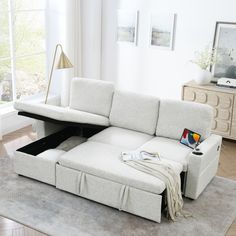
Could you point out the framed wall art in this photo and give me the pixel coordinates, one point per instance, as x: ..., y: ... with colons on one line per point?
x: 162, y: 30
x: 224, y: 45
x: 127, y: 26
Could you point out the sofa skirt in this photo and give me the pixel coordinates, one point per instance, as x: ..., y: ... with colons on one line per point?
x: 110, y: 193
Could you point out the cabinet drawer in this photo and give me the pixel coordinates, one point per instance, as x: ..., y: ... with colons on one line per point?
x: 221, y: 102
x: 234, y: 111
x: 221, y: 127
x: 233, y: 130
x: 215, y: 99
x: 233, y: 127
x: 189, y: 94
x: 223, y: 114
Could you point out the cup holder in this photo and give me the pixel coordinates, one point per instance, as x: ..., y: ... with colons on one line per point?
x: 197, y: 153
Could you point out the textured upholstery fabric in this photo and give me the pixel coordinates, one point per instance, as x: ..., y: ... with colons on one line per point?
x: 104, y: 160
x: 127, y: 139
x: 85, y: 117
x: 134, y: 111
x: 61, y: 113
x: 90, y: 95
x: 201, y: 169
x: 51, y: 111
x: 134, y: 119
x: 70, y: 143
x: 174, y: 116
x: 51, y: 154
x: 169, y: 149
x: 36, y: 167
x: 108, y: 192
x: 44, y: 129
x: 138, y: 202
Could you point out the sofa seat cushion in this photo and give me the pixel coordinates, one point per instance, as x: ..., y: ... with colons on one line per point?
x: 61, y: 113
x: 127, y: 139
x: 51, y: 154
x: 51, y: 111
x: 91, y: 95
x: 169, y: 149
x: 104, y: 160
x: 134, y: 111
x: 175, y: 116
x: 85, y: 117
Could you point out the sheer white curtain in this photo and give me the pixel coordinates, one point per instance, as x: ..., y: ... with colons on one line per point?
x: 64, y: 27
x: 91, y: 15
x: 77, y: 25
x: 73, y: 46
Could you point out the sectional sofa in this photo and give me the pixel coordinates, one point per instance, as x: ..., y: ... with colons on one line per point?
x: 107, y: 122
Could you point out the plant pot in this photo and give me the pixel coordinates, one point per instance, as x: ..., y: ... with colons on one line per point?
x: 202, y: 77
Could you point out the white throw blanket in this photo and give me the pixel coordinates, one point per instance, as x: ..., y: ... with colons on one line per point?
x: 139, y: 155
x: 152, y: 164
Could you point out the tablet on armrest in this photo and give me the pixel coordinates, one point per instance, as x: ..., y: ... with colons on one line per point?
x: 190, y: 138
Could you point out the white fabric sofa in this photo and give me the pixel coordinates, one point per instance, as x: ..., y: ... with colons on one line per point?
x: 127, y: 121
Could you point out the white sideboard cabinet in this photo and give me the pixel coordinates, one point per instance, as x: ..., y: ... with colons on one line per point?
x: 223, y: 100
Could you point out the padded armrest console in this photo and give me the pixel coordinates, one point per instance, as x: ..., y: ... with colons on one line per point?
x: 202, y: 168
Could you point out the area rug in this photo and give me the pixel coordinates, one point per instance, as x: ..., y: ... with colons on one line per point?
x: 55, y: 212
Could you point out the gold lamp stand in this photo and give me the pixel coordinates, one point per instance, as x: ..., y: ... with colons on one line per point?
x: 63, y: 63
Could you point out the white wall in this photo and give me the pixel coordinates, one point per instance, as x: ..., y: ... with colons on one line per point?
x: 154, y: 71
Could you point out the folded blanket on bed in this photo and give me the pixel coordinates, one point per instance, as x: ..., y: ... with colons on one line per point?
x: 162, y: 170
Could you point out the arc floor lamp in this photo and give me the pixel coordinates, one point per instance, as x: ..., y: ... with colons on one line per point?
x: 63, y: 63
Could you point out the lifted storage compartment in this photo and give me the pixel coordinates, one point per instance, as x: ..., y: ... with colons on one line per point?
x: 38, y: 159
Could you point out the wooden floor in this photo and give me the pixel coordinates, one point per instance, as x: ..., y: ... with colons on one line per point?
x: 10, y: 142
x: 11, y: 228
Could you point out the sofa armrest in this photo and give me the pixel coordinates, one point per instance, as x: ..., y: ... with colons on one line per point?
x: 202, y: 168
x: 53, y: 100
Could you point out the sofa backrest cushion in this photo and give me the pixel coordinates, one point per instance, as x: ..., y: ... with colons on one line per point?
x: 134, y: 111
x: 176, y: 115
x: 91, y: 95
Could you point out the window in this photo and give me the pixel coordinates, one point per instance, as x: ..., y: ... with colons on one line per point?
x: 22, y: 49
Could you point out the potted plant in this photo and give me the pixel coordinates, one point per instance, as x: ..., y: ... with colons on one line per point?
x: 203, y: 61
